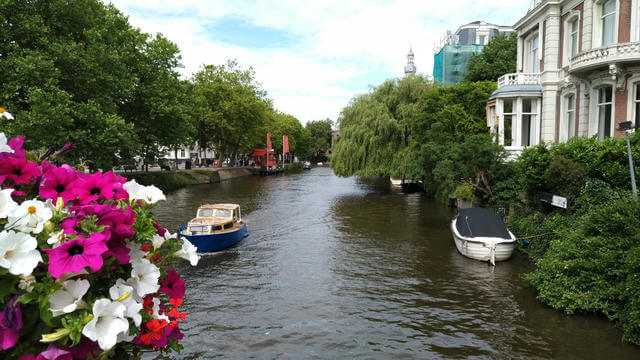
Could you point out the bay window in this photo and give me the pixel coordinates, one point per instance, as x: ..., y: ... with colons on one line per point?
x: 529, y: 112
x: 509, y: 114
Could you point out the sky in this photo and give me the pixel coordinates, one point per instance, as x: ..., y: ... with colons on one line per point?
x: 312, y: 57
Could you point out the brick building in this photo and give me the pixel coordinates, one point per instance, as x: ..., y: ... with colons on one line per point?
x: 578, y: 73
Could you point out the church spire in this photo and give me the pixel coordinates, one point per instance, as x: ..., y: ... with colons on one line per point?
x: 410, y: 68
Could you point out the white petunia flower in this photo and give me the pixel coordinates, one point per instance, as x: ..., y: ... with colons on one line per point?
x: 120, y: 290
x: 7, y: 205
x: 150, y: 194
x: 135, y: 251
x: 144, y: 277
x: 3, y: 144
x: 157, y: 241
x: 18, y: 252
x: 5, y: 114
x: 30, y: 216
x: 69, y: 299
x: 188, y: 252
x: 55, y: 239
x: 108, y: 322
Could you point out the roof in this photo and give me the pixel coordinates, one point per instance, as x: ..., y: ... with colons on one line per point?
x: 219, y: 206
x: 515, y: 90
x: 480, y: 222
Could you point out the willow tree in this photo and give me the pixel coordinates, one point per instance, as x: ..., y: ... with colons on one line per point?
x: 375, y: 129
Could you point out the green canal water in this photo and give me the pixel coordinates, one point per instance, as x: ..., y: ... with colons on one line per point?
x: 348, y: 268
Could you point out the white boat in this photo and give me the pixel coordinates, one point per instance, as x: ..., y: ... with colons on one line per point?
x: 482, y: 235
x: 396, y: 181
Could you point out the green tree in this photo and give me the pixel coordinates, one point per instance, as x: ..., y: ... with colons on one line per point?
x: 320, y: 131
x: 234, y: 106
x: 65, y: 70
x: 497, y: 58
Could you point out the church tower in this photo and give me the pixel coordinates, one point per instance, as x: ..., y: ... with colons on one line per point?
x: 410, y: 68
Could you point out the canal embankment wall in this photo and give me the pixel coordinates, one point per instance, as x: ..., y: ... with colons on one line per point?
x: 173, y: 180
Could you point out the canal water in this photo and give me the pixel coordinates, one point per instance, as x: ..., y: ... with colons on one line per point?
x: 348, y: 268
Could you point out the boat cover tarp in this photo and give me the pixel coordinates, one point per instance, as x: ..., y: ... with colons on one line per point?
x: 479, y: 222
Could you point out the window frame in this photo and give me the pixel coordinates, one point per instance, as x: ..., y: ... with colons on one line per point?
x: 568, y: 119
x: 594, y: 122
x: 598, y: 26
x: 517, y: 121
x: 633, y: 100
x: 573, y: 18
x: 532, y: 65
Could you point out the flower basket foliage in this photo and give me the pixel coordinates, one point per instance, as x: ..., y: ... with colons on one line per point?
x: 83, y: 263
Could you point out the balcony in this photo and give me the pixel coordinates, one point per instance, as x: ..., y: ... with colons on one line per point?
x: 519, y: 79
x: 607, y: 55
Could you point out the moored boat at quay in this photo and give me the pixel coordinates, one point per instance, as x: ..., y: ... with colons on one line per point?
x: 481, y: 234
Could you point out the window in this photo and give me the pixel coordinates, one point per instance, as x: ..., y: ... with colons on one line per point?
x: 482, y: 40
x: 636, y: 105
x: 573, y: 38
x: 605, y: 106
x: 533, y: 59
x: 608, y: 21
x: 509, y: 114
x: 570, y: 116
x: 529, y: 113
x: 635, y: 21
x: 182, y: 153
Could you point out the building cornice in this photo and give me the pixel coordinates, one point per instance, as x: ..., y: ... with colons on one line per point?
x: 535, y: 12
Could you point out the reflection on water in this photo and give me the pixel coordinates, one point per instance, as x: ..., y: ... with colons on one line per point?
x: 348, y: 268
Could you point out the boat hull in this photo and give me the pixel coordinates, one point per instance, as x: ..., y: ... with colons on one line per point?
x: 490, y: 249
x: 218, y: 241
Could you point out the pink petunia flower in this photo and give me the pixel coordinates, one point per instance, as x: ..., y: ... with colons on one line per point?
x: 55, y: 353
x: 84, y: 348
x: 159, y: 229
x: 75, y: 255
x: 119, y: 250
x: 92, y: 187
x: 10, y: 324
x: 16, y: 144
x: 173, y: 285
x: 56, y: 182
x: 18, y: 170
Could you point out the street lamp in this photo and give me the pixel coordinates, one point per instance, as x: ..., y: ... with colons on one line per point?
x: 626, y: 126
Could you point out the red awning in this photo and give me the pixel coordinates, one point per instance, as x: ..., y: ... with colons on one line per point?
x: 260, y: 152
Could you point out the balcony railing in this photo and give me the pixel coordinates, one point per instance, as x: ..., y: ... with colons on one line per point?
x: 519, y: 79
x: 606, y: 55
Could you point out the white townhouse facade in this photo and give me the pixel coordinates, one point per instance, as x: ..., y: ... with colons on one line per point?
x: 578, y: 73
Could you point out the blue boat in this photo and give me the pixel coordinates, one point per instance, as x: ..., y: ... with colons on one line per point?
x: 215, y: 227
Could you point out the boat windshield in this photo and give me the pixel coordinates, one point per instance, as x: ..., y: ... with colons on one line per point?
x: 223, y: 213
x: 205, y: 212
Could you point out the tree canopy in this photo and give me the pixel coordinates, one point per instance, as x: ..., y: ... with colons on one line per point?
x: 77, y: 71
x: 497, y: 58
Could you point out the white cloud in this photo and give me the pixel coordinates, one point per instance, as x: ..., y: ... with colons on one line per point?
x: 339, y: 47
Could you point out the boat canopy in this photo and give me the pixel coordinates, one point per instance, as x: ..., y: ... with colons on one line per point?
x: 480, y: 222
